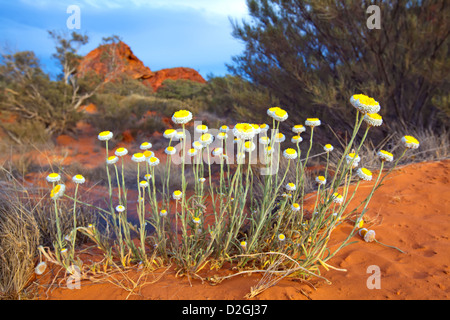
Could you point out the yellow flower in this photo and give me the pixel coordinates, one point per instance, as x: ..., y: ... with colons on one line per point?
x: 244, y: 131
x: 337, y: 198
x: 169, y: 133
x: 112, y: 160
x: 105, y: 135
x: 145, y: 146
x: 385, y: 156
x: 222, y: 135
x: 224, y: 129
x: 78, y: 179
x: 299, y: 128
x: 410, y: 142
x: 249, y: 146
x: 290, y: 154
x: 281, y: 237
x: 201, y: 128
x: 290, y: 186
x: 295, y: 207
x: 170, y: 150
x: 53, y: 177
x: 163, y: 213
x: 148, y: 154
x: 58, y: 191
x: 153, y: 161
x: 206, y: 139
x: 177, y: 194
x: 312, y: 122
x: 196, y: 220
x: 279, y: 137
x: 120, y: 152
x: 328, y: 148
x: 182, y: 117
x: 277, y: 113
x: 192, y: 152
x: 321, y: 180
x: 373, y: 119
x: 364, y: 174
x: 368, y: 235
x: 296, y: 139
x: 364, y: 103
x: 138, y: 157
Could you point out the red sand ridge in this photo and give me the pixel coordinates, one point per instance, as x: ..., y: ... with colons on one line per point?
x: 125, y: 62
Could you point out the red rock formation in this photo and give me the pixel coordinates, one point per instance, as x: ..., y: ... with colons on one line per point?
x: 112, y: 60
x: 158, y: 77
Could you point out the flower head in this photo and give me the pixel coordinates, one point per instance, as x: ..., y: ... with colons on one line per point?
x: 120, y: 152
x: 328, y: 148
x: 170, y: 133
x: 153, y: 161
x: 295, y: 207
x: 299, y: 128
x: 196, y: 220
x: 105, y: 135
x: 138, y: 157
x: 170, y: 150
x: 197, y: 145
x: 192, y: 152
x: 279, y: 137
x: 148, y: 154
x: 78, y: 179
x: 257, y: 128
x: 264, y: 140
x: 249, y: 146
x: 290, y: 186
x: 148, y: 176
x: 281, y: 237
x: 244, y: 131
x: 163, y: 213
x: 268, y: 150
x: 352, y: 157
x: 179, y: 135
x: 277, y: 113
x: 321, y: 180
x: 145, y: 145
x: 224, y: 129
x: 364, y: 103
x: 222, y: 136
x: 296, y: 139
x: 368, y: 235
x: 120, y: 208
x: 112, y: 160
x: 364, y: 174
x: 264, y: 127
x: 410, y: 142
x: 58, y: 191
x: 243, y: 244
x: 177, y: 195
x: 312, y: 122
x: 217, y: 152
x: 290, y: 154
x: 182, y: 117
x: 201, y: 128
x: 143, y: 184
x: 373, y: 119
x: 201, y: 180
x: 337, y: 198
x: 53, y: 177
x: 206, y: 139
x: 385, y: 156
x: 40, y: 268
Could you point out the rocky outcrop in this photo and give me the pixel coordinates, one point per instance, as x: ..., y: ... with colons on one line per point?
x: 110, y: 61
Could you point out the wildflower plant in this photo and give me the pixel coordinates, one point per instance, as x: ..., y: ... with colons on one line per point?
x: 248, y: 206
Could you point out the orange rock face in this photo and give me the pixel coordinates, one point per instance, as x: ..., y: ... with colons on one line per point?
x: 113, y: 60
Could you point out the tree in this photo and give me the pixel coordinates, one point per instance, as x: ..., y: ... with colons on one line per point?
x: 29, y: 96
x: 314, y: 54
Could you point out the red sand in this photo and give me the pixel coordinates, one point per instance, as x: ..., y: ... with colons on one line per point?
x: 410, y: 211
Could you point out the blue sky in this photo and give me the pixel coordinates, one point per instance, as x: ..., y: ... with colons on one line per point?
x: 161, y: 33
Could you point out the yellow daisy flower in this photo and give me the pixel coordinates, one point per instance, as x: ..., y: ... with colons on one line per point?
x: 182, y: 117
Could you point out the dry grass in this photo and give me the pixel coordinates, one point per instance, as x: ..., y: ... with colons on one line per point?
x: 19, y: 239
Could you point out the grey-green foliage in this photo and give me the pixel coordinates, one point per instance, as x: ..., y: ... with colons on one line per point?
x: 314, y: 54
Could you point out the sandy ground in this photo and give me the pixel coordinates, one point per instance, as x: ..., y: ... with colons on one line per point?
x: 411, y: 212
